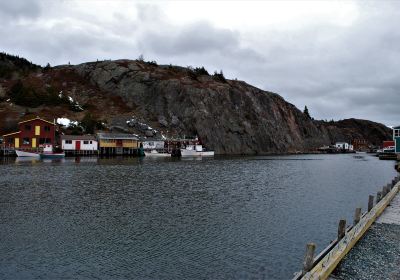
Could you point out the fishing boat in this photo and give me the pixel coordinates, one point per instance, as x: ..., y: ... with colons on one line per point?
x: 155, y: 153
x: 50, y: 154
x: 21, y: 153
x: 196, y: 150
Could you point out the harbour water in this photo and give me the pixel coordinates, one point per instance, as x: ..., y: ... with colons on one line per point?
x: 131, y: 218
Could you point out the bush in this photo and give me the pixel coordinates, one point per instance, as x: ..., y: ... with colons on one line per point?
x: 29, y: 97
x: 90, y: 124
x: 201, y: 71
x: 219, y: 76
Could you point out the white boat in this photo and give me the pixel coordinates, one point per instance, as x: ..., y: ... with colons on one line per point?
x: 195, y: 151
x: 47, y: 153
x: 27, y: 154
x: 154, y: 153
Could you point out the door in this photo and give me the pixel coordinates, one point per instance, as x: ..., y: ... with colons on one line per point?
x: 77, y: 145
x: 33, y: 142
x: 16, y: 142
x: 37, y: 130
x: 119, y: 143
x: 397, y: 143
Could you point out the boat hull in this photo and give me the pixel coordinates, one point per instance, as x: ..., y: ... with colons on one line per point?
x: 150, y: 154
x: 27, y: 154
x: 54, y: 155
x: 194, y: 153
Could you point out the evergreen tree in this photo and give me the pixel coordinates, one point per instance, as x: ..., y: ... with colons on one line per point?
x: 306, y: 112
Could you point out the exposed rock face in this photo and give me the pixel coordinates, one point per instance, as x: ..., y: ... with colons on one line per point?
x: 230, y: 117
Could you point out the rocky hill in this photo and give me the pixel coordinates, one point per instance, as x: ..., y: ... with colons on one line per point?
x: 229, y: 116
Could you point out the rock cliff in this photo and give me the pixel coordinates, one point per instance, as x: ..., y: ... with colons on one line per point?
x: 229, y: 116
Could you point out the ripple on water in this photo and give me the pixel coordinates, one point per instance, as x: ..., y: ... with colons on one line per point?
x: 224, y: 218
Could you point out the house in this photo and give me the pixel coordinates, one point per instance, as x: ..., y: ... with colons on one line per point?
x: 360, y: 144
x: 32, y: 135
x: 396, y: 139
x: 388, y: 146
x: 118, y: 143
x: 79, y: 144
x: 153, y: 144
x: 344, y: 146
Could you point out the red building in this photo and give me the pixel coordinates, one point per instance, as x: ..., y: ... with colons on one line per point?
x: 32, y: 134
x: 388, y: 144
x: 360, y: 145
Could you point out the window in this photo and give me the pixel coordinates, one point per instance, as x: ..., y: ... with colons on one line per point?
x: 28, y: 127
x: 26, y: 141
x: 47, y: 128
x: 68, y: 141
x: 397, y: 133
x: 90, y: 142
x: 85, y: 142
x: 44, y: 141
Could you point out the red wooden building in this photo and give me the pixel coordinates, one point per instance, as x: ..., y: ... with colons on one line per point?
x: 32, y: 135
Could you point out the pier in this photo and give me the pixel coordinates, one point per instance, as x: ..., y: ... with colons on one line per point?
x: 386, y: 211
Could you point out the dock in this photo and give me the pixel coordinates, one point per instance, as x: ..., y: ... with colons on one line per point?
x: 367, y: 249
x: 377, y: 255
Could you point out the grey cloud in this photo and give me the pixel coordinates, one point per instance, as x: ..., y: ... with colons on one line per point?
x: 337, y: 71
x: 16, y: 9
x: 194, y: 38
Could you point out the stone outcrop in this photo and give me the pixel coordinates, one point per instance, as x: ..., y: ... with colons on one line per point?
x: 228, y: 116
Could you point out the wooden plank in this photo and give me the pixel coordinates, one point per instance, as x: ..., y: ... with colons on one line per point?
x: 324, y: 268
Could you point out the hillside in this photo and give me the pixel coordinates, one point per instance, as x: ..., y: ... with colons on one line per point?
x: 229, y: 116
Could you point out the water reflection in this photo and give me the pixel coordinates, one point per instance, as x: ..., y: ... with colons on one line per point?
x: 135, y: 218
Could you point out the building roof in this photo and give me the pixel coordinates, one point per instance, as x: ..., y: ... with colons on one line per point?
x: 396, y: 127
x: 78, y: 137
x: 12, y: 133
x: 120, y: 136
x: 37, y: 118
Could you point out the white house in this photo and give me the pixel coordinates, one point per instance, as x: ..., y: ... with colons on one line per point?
x: 344, y: 146
x: 153, y: 144
x: 77, y: 143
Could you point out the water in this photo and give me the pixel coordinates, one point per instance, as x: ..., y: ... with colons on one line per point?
x: 223, y: 218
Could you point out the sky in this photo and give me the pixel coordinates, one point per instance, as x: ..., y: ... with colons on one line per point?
x: 341, y: 59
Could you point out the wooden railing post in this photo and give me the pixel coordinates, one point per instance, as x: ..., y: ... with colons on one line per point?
x: 370, y: 202
x: 308, y: 258
x: 378, y: 197
x: 383, y: 191
x: 357, y: 216
x: 341, y: 229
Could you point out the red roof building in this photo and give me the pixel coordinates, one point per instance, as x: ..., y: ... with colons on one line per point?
x: 32, y: 134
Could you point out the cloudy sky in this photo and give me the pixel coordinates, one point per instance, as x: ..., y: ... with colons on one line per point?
x: 341, y: 59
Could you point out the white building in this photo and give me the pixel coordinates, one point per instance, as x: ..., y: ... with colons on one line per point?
x: 344, y: 146
x: 153, y: 144
x: 78, y: 143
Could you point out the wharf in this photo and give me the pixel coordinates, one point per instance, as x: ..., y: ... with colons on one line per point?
x: 377, y: 254
x: 369, y: 249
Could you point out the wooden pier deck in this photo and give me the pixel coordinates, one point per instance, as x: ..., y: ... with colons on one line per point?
x: 369, y: 249
x: 377, y: 255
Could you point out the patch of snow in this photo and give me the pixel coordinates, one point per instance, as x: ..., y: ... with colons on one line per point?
x: 8, y: 100
x: 70, y: 99
x: 66, y: 122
